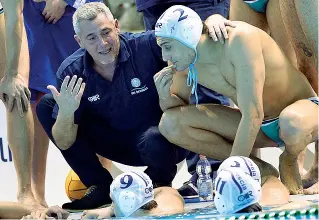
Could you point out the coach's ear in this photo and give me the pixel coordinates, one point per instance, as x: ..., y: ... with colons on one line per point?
x: 78, y: 39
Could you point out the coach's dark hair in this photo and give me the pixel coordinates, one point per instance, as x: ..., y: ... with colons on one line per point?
x: 252, y: 208
x: 150, y: 205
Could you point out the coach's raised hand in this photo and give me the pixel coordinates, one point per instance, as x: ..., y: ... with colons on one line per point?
x: 70, y: 94
x: 64, y: 130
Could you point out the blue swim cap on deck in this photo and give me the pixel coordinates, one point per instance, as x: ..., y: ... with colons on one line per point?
x: 183, y: 24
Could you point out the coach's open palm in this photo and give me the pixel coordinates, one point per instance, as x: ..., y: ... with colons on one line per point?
x: 163, y: 81
x: 70, y: 94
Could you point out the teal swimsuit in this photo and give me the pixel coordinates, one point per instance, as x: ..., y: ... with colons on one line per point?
x: 258, y: 5
x: 270, y: 127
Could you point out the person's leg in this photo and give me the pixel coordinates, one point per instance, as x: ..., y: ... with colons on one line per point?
x: 2, y: 46
x: 40, y: 152
x: 106, y: 163
x: 20, y: 136
x: 81, y: 156
x: 240, y: 11
x: 279, y: 34
x: 209, y: 130
x: 144, y: 146
x: 204, y: 10
x: 160, y: 156
x: 278, y: 31
x: 298, y: 127
x: 310, y: 180
x: 308, y: 16
x: 295, y: 16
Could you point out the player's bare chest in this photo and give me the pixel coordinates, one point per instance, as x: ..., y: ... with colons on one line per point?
x: 211, y: 77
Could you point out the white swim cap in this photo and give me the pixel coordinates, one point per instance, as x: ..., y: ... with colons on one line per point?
x: 244, y: 163
x: 180, y: 23
x: 235, y: 190
x: 130, y: 191
x: 183, y: 24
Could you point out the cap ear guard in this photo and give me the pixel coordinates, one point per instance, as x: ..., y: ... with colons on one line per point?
x: 128, y: 201
x: 130, y: 191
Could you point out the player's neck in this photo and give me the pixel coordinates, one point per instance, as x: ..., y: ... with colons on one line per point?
x: 209, y: 51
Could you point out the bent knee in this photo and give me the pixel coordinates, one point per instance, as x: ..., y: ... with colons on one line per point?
x: 291, y: 127
x: 170, y: 125
x: 44, y: 107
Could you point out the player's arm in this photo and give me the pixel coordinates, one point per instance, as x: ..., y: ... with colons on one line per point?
x: 64, y: 130
x: 249, y: 65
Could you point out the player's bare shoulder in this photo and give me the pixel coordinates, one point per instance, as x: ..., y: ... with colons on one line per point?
x: 242, y: 31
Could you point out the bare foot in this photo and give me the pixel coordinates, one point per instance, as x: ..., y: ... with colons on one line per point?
x: 40, y: 199
x: 43, y: 203
x: 301, y: 161
x: 29, y: 200
x: 311, y: 177
x: 314, y: 189
x: 289, y: 173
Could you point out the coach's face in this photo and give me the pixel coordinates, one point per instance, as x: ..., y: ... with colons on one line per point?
x: 100, y: 37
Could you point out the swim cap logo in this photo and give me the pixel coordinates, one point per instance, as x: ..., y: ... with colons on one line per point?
x: 245, y: 196
x: 237, y: 164
x: 136, y: 82
x: 148, y: 190
x: 158, y: 25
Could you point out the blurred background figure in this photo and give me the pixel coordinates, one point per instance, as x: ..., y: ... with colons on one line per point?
x: 125, y: 12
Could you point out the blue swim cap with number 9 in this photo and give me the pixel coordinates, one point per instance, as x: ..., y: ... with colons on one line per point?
x: 183, y: 24
x: 130, y: 191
